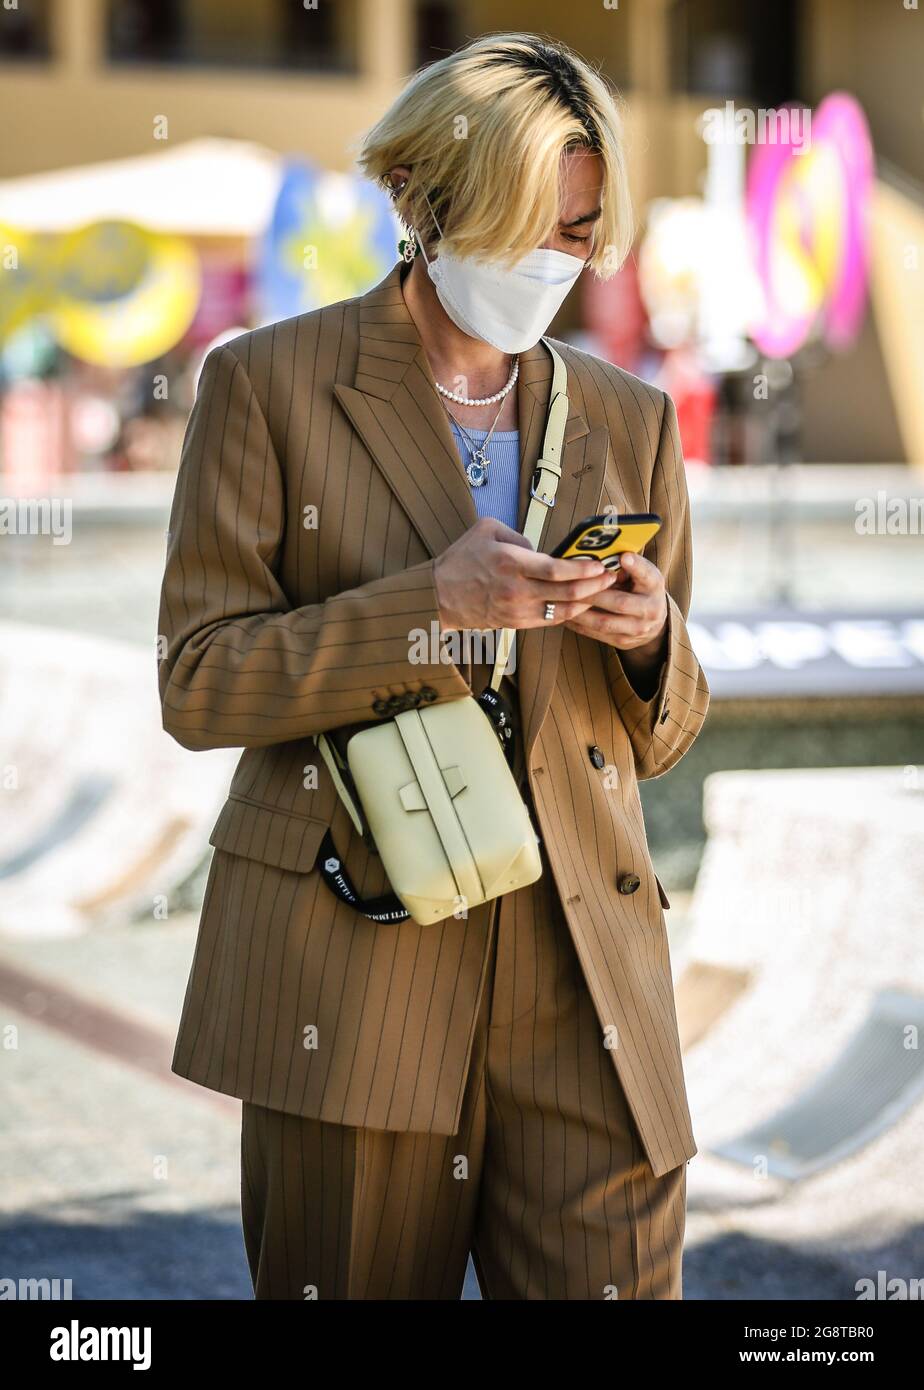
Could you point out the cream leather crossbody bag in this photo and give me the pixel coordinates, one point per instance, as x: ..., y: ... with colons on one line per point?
x: 432, y: 787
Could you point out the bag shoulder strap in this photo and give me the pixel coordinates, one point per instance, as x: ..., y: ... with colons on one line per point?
x: 543, y: 486
x: 337, y: 767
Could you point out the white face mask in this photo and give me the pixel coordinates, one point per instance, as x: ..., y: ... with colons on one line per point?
x: 509, y: 308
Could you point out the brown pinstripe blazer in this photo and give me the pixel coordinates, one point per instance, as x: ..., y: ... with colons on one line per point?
x: 273, y: 628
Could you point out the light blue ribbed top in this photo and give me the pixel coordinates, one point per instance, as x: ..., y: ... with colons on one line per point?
x: 500, y: 495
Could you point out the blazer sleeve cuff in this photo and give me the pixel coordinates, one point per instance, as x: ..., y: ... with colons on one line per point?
x: 662, y: 727
x: 636, y: 712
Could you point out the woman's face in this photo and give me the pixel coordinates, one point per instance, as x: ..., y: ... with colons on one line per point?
x: 579, y: 208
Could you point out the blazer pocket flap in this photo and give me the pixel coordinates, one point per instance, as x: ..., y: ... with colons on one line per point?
x: 268, y: 834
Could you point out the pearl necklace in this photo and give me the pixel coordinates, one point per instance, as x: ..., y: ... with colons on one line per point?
x: 484, y: 400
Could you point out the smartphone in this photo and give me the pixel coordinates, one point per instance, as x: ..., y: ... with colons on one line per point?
x: 606, y: 537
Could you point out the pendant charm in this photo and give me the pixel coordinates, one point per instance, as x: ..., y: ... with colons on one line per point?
x: 476, y: 470
x: 407, y: 247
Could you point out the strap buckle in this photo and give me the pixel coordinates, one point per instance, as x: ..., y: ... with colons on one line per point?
x: 546, y: 500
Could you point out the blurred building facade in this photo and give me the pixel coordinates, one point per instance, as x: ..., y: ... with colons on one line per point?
x: 89, y: 80
x: 84, y: 81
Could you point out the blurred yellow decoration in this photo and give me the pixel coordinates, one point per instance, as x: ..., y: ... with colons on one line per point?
x: 113, y: 293
x: 21, y: 278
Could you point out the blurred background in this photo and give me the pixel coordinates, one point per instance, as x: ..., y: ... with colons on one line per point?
x: 175, y: 172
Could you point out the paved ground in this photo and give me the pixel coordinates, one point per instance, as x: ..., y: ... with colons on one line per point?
x: 116, y: 1174
x: 124, y: 1178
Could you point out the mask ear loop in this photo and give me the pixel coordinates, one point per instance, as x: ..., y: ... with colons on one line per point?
x: 423, y: 252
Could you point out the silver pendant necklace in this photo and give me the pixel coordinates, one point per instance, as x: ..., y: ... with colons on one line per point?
x: 476, y: 470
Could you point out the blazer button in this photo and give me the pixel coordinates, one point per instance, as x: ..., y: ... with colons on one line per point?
x: 628, y: 883
x: 428, y: 694
x: 381, y: 706
x: 413, y: 700
x: 396, y: 704
x: 596, y: 757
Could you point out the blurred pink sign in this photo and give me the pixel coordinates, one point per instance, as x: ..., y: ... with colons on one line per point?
x: 808, y: 211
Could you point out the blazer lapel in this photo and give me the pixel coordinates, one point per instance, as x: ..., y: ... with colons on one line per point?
x: 394, y: 407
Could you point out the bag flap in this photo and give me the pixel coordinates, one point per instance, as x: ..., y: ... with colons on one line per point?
x: 267, y: 833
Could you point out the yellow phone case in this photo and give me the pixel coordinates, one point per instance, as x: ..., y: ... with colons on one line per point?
x: 630, y: 535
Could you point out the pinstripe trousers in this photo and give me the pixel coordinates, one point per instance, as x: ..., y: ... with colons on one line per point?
x: 546, y: 1181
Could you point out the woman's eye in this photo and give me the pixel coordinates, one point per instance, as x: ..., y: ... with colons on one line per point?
x: 568, y: 236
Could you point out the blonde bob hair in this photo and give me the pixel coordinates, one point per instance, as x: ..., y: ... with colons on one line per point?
x: 482, y: 132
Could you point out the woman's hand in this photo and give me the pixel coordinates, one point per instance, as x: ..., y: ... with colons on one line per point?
x: 632, y: 616
x: 491, y: 577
